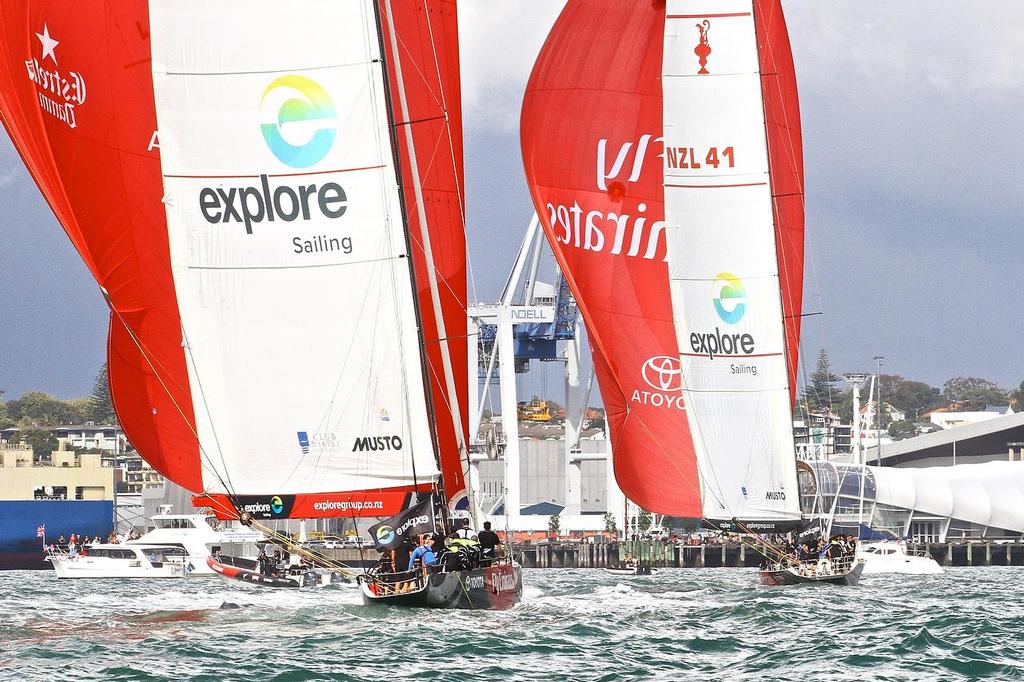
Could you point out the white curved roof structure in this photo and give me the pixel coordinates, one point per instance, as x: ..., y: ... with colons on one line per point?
x: 989, y: 494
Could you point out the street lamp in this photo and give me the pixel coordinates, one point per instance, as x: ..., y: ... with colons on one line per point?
x: 878, y: 412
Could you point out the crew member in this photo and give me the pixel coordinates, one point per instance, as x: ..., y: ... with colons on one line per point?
x: 489, y: 541
x: 425, y: 553
x: 465, y: 532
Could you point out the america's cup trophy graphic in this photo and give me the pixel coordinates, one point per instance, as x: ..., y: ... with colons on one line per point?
x: 703, y: 49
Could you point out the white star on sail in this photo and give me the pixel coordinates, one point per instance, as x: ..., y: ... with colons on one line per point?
x: 48, y: 44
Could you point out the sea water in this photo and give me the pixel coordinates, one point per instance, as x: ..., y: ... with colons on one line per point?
x: 677, y: 624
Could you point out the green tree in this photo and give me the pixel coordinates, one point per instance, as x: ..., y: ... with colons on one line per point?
x: 911, y: 397
x: 973, y: 393
x: 643, y: 521
x: 609, y: 523
x: 101, y: 408
x: 42, y: 409
x: 819, y: 393
x: 5, y: 416
x: 1017, y: 398
x: 555, y: 524
x: 42, y: 441
x: 902, y: 429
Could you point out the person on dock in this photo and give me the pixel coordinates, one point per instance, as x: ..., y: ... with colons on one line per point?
x: 489, y: 542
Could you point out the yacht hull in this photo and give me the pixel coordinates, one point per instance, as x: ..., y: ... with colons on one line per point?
x: 789, y: 576
x: 493, y: 587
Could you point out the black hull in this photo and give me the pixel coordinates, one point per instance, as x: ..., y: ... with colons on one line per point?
x: 494, y: 587
x: 789, y: 577
x: 244, y: 571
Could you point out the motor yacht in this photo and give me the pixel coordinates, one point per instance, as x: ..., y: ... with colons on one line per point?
x: 891, y: 556
x: 197, y: 535
x: 119, y: 561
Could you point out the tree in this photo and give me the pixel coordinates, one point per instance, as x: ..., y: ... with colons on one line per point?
x: 5, y: 416
x: 902, y: 429
x: 643, y: 521
x: 554, y: 524
x: 38, y: 408
x: 42, y: 441
x: 973, y: 393
x: 609, y: 523
x: 101, y: 408
x: 910, y: 397
x: 1016, y: 398
x: 818, y: 394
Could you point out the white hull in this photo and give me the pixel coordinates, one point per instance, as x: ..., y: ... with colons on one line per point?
x: 891, y: 557
x: 194, y: 534
x: 83, y: 567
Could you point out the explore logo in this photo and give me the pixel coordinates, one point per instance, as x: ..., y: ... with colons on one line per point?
x: 385, y: 535
x: 310, y: 116
x: 276, y: 504
x: 730, y: 304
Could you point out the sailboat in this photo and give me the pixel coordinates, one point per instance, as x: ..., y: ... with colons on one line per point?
x: 272, y: 205
x: 675, y: 209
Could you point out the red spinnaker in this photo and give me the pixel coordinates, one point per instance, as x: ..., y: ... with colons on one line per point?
x: 591, y: 129
x: 76, y: 98
x: 785, y: 155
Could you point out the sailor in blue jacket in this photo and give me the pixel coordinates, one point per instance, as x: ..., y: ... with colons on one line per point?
x: 425, y: 552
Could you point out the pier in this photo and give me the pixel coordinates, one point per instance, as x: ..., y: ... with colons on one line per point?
x: 669, y: 555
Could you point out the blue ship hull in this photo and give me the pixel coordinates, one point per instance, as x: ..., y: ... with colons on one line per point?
x: 20, y: 548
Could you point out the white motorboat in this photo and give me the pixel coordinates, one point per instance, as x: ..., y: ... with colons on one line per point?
x: 120, y: 561
x: 891, y: 556
x: 197, y: 535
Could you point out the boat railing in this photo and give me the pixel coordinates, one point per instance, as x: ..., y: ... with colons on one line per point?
x: 385, y: 584
x: 816, y: 567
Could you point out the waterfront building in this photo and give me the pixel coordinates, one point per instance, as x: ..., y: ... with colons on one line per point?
x: 965, y: 482
x: 819, y: 435
x: 947, y: 419
x: 99, y: 437
x: 68, y: 493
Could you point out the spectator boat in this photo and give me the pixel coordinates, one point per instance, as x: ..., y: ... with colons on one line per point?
x: 197, y: 535
x: 120, y: 561
x: 892, y: 556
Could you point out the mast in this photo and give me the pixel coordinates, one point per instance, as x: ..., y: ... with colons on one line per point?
x: 435, y: 296
x: 393, y: 135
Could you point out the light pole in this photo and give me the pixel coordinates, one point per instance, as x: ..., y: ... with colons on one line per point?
x: 878, y: 373
x: 856, y: 381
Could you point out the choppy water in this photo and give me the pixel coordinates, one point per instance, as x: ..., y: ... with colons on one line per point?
x: 574, y: 624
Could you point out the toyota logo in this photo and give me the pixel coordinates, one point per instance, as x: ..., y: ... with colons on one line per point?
x: 663, y: 373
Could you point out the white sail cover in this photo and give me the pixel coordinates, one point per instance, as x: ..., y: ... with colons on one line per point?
x: 723, y: 265
x: 287, y: 246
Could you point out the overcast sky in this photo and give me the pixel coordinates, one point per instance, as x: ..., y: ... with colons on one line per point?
x: 914, y: 194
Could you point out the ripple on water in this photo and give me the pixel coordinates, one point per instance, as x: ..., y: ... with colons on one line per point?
x: 573, y: 624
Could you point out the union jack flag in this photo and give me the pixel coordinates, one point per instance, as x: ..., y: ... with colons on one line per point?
x: 41, y: 531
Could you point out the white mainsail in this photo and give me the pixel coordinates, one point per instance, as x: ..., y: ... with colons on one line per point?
x: 723, y: 263
x: 287, y: 245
